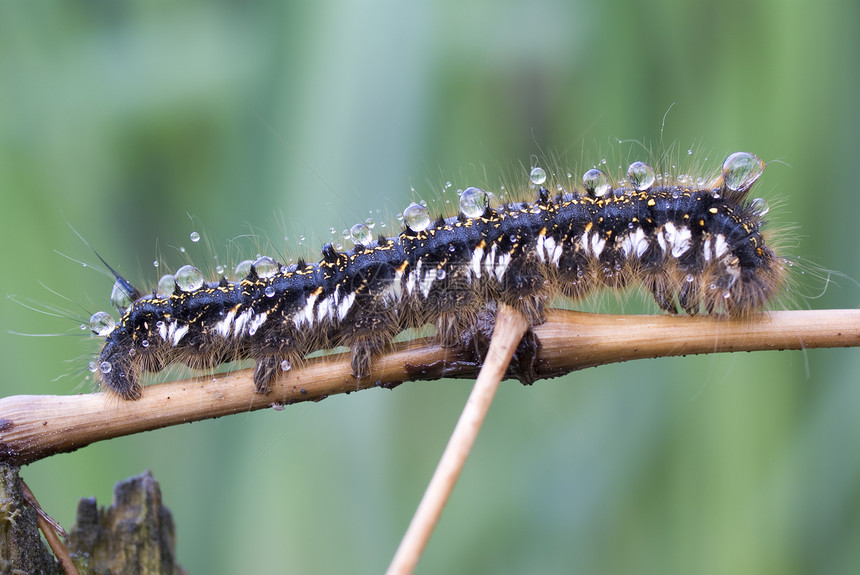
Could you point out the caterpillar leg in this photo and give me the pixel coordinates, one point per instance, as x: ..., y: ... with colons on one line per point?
x: 475, y: 341
x: 264, y: 372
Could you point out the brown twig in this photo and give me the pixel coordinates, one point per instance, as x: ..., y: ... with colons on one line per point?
x: 34, y: 427
x: 510, y: 327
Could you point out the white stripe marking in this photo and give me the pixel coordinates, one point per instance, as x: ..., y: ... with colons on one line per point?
x: 223, y: 326
x: 597, y: 244
x: 477, y: 256
x: 255, y: 323
x: 634, y: 244
x: 179, y: 333
x: 540, y: 247
x: 324, y: 309
x: 721, y: 247
x: 583, y: 241
x: 490, y: 260
x: 306, y: 315
x: 343, y: 307
x: 241, y: 320
x: 502, y: 265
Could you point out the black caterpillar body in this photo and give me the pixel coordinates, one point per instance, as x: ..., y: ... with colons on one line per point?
x: 696, y: 248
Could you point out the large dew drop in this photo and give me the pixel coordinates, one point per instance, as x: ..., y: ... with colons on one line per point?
x: 417, y: 217
x: 596, y: 183
x: 641, y: 176
x: 741, y: 170
x: 538, y: 176
x: 166, y: 285
x: 101, y: 323
x: 189, y: 278
x: 119, y: 296
x: 474, y: 202
x: 243, y: 268
x: 266, y: 267
x: 360, y: 234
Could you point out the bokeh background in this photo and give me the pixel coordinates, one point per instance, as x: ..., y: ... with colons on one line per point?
x: 138, y: 123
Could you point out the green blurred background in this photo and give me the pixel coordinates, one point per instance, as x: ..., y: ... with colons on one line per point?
x: 123, y: 119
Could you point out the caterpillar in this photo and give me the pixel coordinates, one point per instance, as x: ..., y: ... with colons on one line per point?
x: 696, y: 246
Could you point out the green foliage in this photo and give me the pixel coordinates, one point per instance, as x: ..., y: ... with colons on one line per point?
x: 123, y: 118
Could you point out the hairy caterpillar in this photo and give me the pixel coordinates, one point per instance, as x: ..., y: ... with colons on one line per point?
x: 696, y: 246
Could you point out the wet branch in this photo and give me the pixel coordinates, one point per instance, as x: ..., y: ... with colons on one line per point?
x: 33, y: 427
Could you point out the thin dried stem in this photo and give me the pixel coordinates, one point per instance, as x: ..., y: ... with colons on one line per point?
x: 51, y: 530
x: 33, y: 427
x: 509, y: 330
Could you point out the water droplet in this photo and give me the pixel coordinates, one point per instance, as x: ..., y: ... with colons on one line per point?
x: 741, y: 170
x: 690, y: 152
x: 726, y: 294
x: 144, y: 343
x: 105, y: 367
x: 269, y: 291
x: 360, y: 234
x: 417, y: 217
x: 759, y: 207
x: 286, y: 365
x: 243, y: 269
x: 101, y: 323
x: 596, y: 183
x: 155, y: 264
x: 182, y: 249
x: 440, y: 274
x: 195, y: 237
x: 370, y: 223
x: 83, y: 327
x: 189, y: 278
x: 219, y: 269
x: 538, y: 176
x: 452, y: 248
x: 641, y: 176
x: 689, y: 279
x: 332, y: 230
x: 266, y: 267
x: 93, y: 367
x: 474, y: 202
x: 119, y: 297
